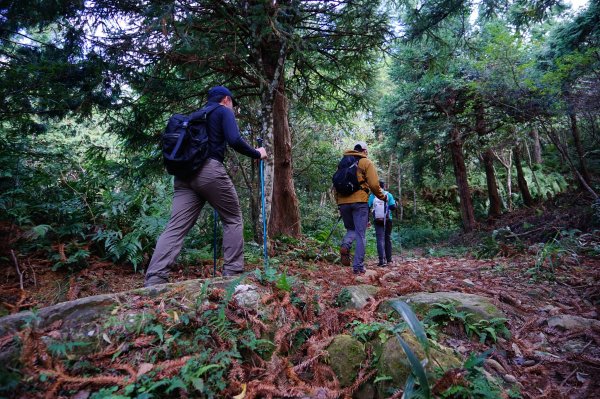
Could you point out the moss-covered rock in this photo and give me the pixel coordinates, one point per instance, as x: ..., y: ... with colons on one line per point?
x: 394, y: 363
x: 346, y: 354
x: 422, y: 302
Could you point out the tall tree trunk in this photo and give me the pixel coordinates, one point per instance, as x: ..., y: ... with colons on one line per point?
x: 460, y: 172
x: 579, y: 147
x: 282, y: 213
x: 414, y: 202
x: 389, y: 171
x: 521, y: 182
x: 285, y: 214
x: 400, y: 207
x: 495, y: 209
x: 536, y: 146
x: 509, y: 180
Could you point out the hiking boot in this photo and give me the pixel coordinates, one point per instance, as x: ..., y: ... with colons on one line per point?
x: 345, y: 256
x: 382, y: 263
x: 232, y: 273
x: 390, y: 262
x: 359, y: 271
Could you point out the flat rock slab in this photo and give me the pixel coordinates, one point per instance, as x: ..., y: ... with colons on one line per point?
x: 360, y: 295
x: 421, y: 302
x: 84, y: 315
x: 573, y: 323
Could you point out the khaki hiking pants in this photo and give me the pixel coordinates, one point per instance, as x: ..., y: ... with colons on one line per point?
x: 212, y: 185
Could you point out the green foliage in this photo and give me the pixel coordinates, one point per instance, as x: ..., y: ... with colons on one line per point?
x: 501, y: 242
x: 420, y: 236
x: 9, y: 380
x: 58, y: 348
x: 282, y: 282
x: 365, y: 332
x: 451, y: 251
x: 478, y: 387
x: 343, y: 298
x: 442, y: 313
x: 552, y: 254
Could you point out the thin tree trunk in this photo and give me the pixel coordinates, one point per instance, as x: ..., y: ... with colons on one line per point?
x: 521, y: 182
x: 533, y: 175
x: 460, y: 172
x: 389, y: 171
x: 565, y: 155
x: 400, y: 206
x: 414, y: 202
x: 509, y: 181
x: 495, y: 209
x: 536, y: 145
x: 579, y: 147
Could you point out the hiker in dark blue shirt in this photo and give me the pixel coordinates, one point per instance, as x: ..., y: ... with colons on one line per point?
x: 210, y: 184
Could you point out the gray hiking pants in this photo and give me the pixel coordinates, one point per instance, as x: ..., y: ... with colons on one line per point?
x: 212, y: 185
x: 355, y: 217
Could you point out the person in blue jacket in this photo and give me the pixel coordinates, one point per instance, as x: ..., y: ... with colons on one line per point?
x: 382, y: 219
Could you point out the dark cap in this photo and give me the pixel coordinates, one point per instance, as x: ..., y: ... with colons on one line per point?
x: 381, y: 183
x: 219, y: 91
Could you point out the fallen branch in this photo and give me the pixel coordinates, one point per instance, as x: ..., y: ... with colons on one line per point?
x: 16, y: 262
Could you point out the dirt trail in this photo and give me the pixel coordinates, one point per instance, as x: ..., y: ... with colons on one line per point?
x: 546, y: 361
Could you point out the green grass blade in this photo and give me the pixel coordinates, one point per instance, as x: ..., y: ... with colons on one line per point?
x: 409, y: 388
x: 413, y: 322
x: 417, y: 368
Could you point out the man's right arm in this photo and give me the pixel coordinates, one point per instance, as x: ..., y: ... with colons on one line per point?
x: 236, y: 141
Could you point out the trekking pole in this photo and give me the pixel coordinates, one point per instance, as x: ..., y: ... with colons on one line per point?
x: 262, y: 195
x: 214, y: 242
x: 331, y: 232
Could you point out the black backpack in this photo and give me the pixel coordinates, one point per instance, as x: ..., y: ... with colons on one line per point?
x: 345, y: 179
x: 185, y: 142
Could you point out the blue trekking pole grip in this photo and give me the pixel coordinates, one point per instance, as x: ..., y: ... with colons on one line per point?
x: 264, y: 216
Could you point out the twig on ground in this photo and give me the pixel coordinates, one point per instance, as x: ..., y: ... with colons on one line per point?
x: 16, y: 262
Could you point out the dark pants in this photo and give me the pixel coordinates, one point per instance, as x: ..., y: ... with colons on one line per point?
x: 384, y: 240
x: 213, y: 185
x: 355, y: 217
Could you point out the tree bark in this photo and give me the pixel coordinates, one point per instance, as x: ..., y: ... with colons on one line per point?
x: 495, y: 209
x: 400, y: 206
x: 579, y: 147
x: 389, y: 171
x: 521, y: 182
x: 282, y: 211
x: 536, y: 146
x: 285, y: 214
x: 460, y: 172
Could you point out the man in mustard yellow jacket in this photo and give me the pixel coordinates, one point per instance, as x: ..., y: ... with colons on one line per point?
x: 354, y: 208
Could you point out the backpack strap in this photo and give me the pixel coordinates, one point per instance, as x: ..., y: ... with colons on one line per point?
x: 363, y: 181
x: 203, y: 112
